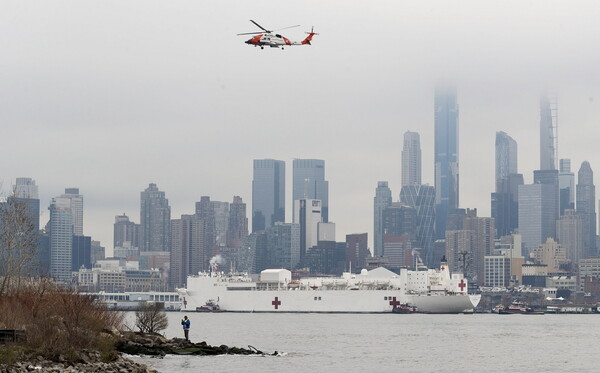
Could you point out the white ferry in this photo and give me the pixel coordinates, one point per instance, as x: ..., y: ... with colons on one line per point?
x: 375, y: 291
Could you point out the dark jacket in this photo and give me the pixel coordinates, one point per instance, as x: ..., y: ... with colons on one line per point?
x: 185, y: 323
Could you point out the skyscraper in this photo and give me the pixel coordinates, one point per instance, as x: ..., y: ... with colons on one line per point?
x: 506, y: 157
x: 268, y: 193
x: 569, y: 229
x: 566, y: 185
x: 221, y: 213
x: 398, y: 220
x: 187, y: 253
x: 238, y: 223
x: 547, y: 138
x: 26, y: 191
x: 586, y: 208
x: 155, y: 220
x: 307, y: 216
x: 76, y: 208
x: 309, y: 183
x: 538, y: 209
x: 125, y: 231
x: 206, y: 212
x: 505, y: 203
x: 382, y: 200
x: 422, y: 199
x: 283, y: 245
x: 446, y: 155
x: 61, y: 239
x: 411, y: 159
x: 357, y: 250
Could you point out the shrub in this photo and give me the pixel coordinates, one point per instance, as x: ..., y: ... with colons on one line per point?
x: 58, y: 321
x: 151, y: 318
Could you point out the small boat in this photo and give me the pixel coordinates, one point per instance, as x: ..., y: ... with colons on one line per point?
x: 210, y: 306
x: 519, y: 308
x: 405, y: 308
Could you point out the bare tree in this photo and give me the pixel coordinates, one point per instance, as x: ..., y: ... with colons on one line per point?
x: 18, y: 243
x: 151, y: 318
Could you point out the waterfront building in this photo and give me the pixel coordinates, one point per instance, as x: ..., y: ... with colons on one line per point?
x: 588, y: 268
x: 446, y: 155
x: 61, y: 239
x: 357, y: 251
x: 155, y: 220
x: 381, y: 201
x: 411, y: 159
x: 569, y: 231
x: 586, y: 208
x: 309, y: 183
x: 307, y: 216
x: 268, y: 193
x: 566, y: 185
x: 76, y: 209
x: 422, y: 199
x: 237, y: 229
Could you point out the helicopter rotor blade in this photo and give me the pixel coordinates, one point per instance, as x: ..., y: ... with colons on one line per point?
x: 286, y: 27
x: 260, y: 27
x: 251, y: 33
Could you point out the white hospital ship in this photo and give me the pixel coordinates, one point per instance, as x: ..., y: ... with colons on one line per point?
x: 375, y: 291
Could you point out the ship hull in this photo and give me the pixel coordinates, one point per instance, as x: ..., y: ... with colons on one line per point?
x: 323, y: 301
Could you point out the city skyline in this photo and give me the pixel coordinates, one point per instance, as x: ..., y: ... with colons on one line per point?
x: 130, y: 117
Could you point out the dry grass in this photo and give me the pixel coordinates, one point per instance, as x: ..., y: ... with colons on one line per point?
x: 59, y: 321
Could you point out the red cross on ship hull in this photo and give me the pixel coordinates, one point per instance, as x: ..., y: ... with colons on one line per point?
x: 276, y: 303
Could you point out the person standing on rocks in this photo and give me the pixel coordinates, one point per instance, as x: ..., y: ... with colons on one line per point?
x: 186, y: 327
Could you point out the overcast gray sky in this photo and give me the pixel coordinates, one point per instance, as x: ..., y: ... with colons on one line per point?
x: 109, y: 96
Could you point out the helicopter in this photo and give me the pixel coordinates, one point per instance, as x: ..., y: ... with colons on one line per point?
x: 268, y: 38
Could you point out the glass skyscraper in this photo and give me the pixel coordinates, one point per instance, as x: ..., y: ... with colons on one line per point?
x: 268, y: 193
x: 446, y: 155
x: 309, y: 183
x: 422, y: 199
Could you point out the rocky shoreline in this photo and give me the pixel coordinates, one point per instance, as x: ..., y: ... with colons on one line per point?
x: 90, y: 362
x: 134, y: 343
x: 131, y: 343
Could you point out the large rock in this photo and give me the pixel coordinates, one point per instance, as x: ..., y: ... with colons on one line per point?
x: 135, y: 343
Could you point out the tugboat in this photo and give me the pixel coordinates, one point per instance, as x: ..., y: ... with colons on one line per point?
x: 405, y: 308
x: 209, y: 306
x: 519, y: 308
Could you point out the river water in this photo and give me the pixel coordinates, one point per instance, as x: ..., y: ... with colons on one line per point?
x: 389, y: 342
